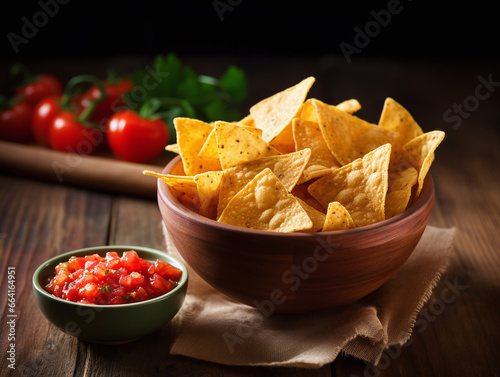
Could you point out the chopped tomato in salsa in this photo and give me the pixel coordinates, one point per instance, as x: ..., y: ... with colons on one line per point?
x: 112, y: 279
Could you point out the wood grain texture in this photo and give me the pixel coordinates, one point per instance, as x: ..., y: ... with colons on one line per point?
x: 461, y: 338
x: 458, y: 333
x: 39, y: 221
x: 98, y: 172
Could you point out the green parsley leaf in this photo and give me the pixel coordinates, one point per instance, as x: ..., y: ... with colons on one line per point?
x: 168, y: 89
x: 234, y: 82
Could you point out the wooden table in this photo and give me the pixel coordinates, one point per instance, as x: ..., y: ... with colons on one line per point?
x: 40, y: 219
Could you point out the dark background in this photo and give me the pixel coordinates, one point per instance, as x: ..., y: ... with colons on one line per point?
x: 449, y: 30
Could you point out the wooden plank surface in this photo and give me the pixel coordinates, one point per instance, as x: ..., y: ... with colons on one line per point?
x: 39, y: 221
x: 458, y: 332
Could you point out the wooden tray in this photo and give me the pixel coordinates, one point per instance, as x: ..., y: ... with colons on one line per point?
x: 99, y: 171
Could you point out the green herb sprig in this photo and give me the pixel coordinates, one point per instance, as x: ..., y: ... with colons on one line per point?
x: 176, y: 90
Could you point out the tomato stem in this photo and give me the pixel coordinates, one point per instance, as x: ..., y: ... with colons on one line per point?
x: 149, y: 108
x: 69, y: 91
x: 86, y: 113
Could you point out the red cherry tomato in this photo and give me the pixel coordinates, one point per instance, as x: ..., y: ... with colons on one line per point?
x: 68, y: 134
x: 113, y: 103
x: 15, y: 122
x: 42, y: 86
x: 43, y: 115
x: 134, y: 138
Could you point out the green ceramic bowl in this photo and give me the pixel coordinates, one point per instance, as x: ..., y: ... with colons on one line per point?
x: 109, y: 323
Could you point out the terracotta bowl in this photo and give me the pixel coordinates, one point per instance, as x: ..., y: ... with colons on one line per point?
x: 294, y: 272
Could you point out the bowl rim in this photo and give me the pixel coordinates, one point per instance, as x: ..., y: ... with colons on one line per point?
x: 64, y: 256
x: 165, y: 195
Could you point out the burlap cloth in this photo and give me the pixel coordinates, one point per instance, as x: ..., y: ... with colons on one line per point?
x: 213, y: 327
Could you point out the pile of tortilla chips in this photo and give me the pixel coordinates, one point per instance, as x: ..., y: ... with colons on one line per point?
x: 301, y: 165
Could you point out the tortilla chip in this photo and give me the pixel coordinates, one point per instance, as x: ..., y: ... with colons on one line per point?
x: 173, y: 148
x: 317, y: 217
x: 253, y: 130
x: 360, y: 187
x: 287, y: 167
x: 191, y: 136
x: 209, y: 152
x: 237, y: 145
x: 399, y: 191
x: 265, y: 204
x: 348, y: 136
x: 396, y: 118
x: 337, y: 218
x: 300, y: 191
x: 308, y: 134
x: 247, y: 121
x: 182, y: 187
x: 209, y: 148
x: 396, y: 202
x: 340, y: 170
x: 419, y: 153
x: 178, y: 168
x: 349, y: 106
x: 182, y: 183
x: 308, y: 111
x: 284, y: 141
x: 208, y: 185
x: 273, y: 114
